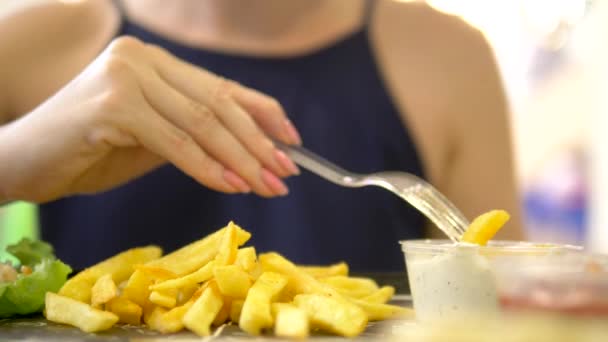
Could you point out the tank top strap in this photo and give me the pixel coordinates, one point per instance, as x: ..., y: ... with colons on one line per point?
x: 368, y: 11
x: 120, y: 7
x: 121, y: 10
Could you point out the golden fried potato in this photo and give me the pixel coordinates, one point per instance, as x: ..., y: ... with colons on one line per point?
x: 119, y: 266
x: 165, y: 298
x: 228, y: 246
x: 485, y: 226
x: 318, y: 271
x: 197, y: 254
x: 246, y: 258
x: 201, y: 275
x: 137, y: 286
x: 232, y: 281
x: 127, y: 311
x: 65, y: 310
x: 155, y: 273
x: 354, y: 287
x: 333, y: 314
x: 235, y: 310
x: 168, y: 321
x: 378, y: 312
x: 256, y: 313
x: 204, y: 310
x: 299, y: 281
x: 381, y: 296
x: 103, y: 291
x: 290, y: 321
x: 224, y: 313
x: 152, y: 316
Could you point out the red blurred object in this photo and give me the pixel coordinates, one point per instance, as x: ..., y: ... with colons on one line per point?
x: 574, y: 285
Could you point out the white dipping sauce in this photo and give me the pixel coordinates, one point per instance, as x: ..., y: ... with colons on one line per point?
x: 451, y: 284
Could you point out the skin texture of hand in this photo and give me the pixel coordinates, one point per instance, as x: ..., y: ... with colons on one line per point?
x: 135, y: 108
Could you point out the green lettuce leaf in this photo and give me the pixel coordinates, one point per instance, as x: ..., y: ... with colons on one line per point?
x: 31, y: 252
x: 26, y: 294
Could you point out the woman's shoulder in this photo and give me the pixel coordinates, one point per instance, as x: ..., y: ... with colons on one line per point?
x: 437, y: 67
x: 62, y: 19
x: 45, y: 43
x: 416, y: 31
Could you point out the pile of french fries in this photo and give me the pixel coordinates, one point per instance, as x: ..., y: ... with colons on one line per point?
x: 214, y: 281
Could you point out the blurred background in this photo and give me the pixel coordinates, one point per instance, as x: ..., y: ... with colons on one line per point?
x: 553, y: 65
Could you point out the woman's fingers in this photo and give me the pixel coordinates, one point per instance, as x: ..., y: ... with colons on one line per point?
x: 172, y: 143
x: 210, y: 133
x: 210, y: 89
x: 250, y: 135
x: 268, y: 114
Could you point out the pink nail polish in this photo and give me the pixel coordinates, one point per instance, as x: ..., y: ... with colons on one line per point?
x: 274, y: 183
x: 292, y: 133
x: 236, y: 181
x: 286, y: 163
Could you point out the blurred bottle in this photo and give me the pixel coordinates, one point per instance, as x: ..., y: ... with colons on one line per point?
x: 556, y: 201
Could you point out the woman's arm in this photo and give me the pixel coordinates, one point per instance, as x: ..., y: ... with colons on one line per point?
x: 46, y: 43
x: 444, y: 78
x: 480, y: 170
x: 128, y: 110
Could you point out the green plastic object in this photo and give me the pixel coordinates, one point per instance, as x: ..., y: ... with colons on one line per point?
x: 17, y: 221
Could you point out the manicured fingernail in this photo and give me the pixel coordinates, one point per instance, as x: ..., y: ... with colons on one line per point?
x: 292, y: 133
x: 236, y: 181
x: 274, y: 183
x: 286, y: 163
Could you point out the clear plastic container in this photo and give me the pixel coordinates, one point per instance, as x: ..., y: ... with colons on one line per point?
x: 574, y: 284
x: 450, y: 280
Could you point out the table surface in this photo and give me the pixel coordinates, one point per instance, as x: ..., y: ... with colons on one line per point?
x: 36, y: 328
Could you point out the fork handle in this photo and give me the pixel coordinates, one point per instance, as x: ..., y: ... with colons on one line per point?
x: 318, y: 165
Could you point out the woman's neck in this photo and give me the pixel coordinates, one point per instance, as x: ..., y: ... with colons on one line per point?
x: 253, y: 27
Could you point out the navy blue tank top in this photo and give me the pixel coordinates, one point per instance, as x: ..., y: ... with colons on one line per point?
x: 336, y: 98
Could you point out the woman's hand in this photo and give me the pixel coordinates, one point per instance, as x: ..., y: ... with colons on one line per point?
x: 133, y: 109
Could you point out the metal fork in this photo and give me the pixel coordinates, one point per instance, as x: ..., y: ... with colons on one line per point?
x: 409, y: 187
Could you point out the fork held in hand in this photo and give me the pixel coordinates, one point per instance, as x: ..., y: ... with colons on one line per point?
x: 417, y: 192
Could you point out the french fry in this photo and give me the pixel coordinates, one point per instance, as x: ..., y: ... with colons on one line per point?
x: 246, y: 258
x: 203, y: 274
x: 204, y: 310
x: 485, y: 226
x: 119, y: 266
x: 228, y: 246
x: 339, y: 269
x: 127, y: 311
x: 166, y: 299
x: 378, y: 312
x: 381, y: 296
x: 354, y: 287
x: 256, y: 313
x: 197, y: 254
x: 136, y: 289
x: 152, y: 317
x: 235, y: 310
x: 232, y: 281
x: 224, y: 313
x: 172, y: 320
x: 103, y: 291
x: 333, y: 314
x: 299, y: 281
x: 290, y: 321
x: 168, y: 321
x: 185, y: 293
x: 66, y: 310
x: 155, y: 273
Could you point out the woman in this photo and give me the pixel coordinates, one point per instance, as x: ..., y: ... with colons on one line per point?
x: 96, y: 96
